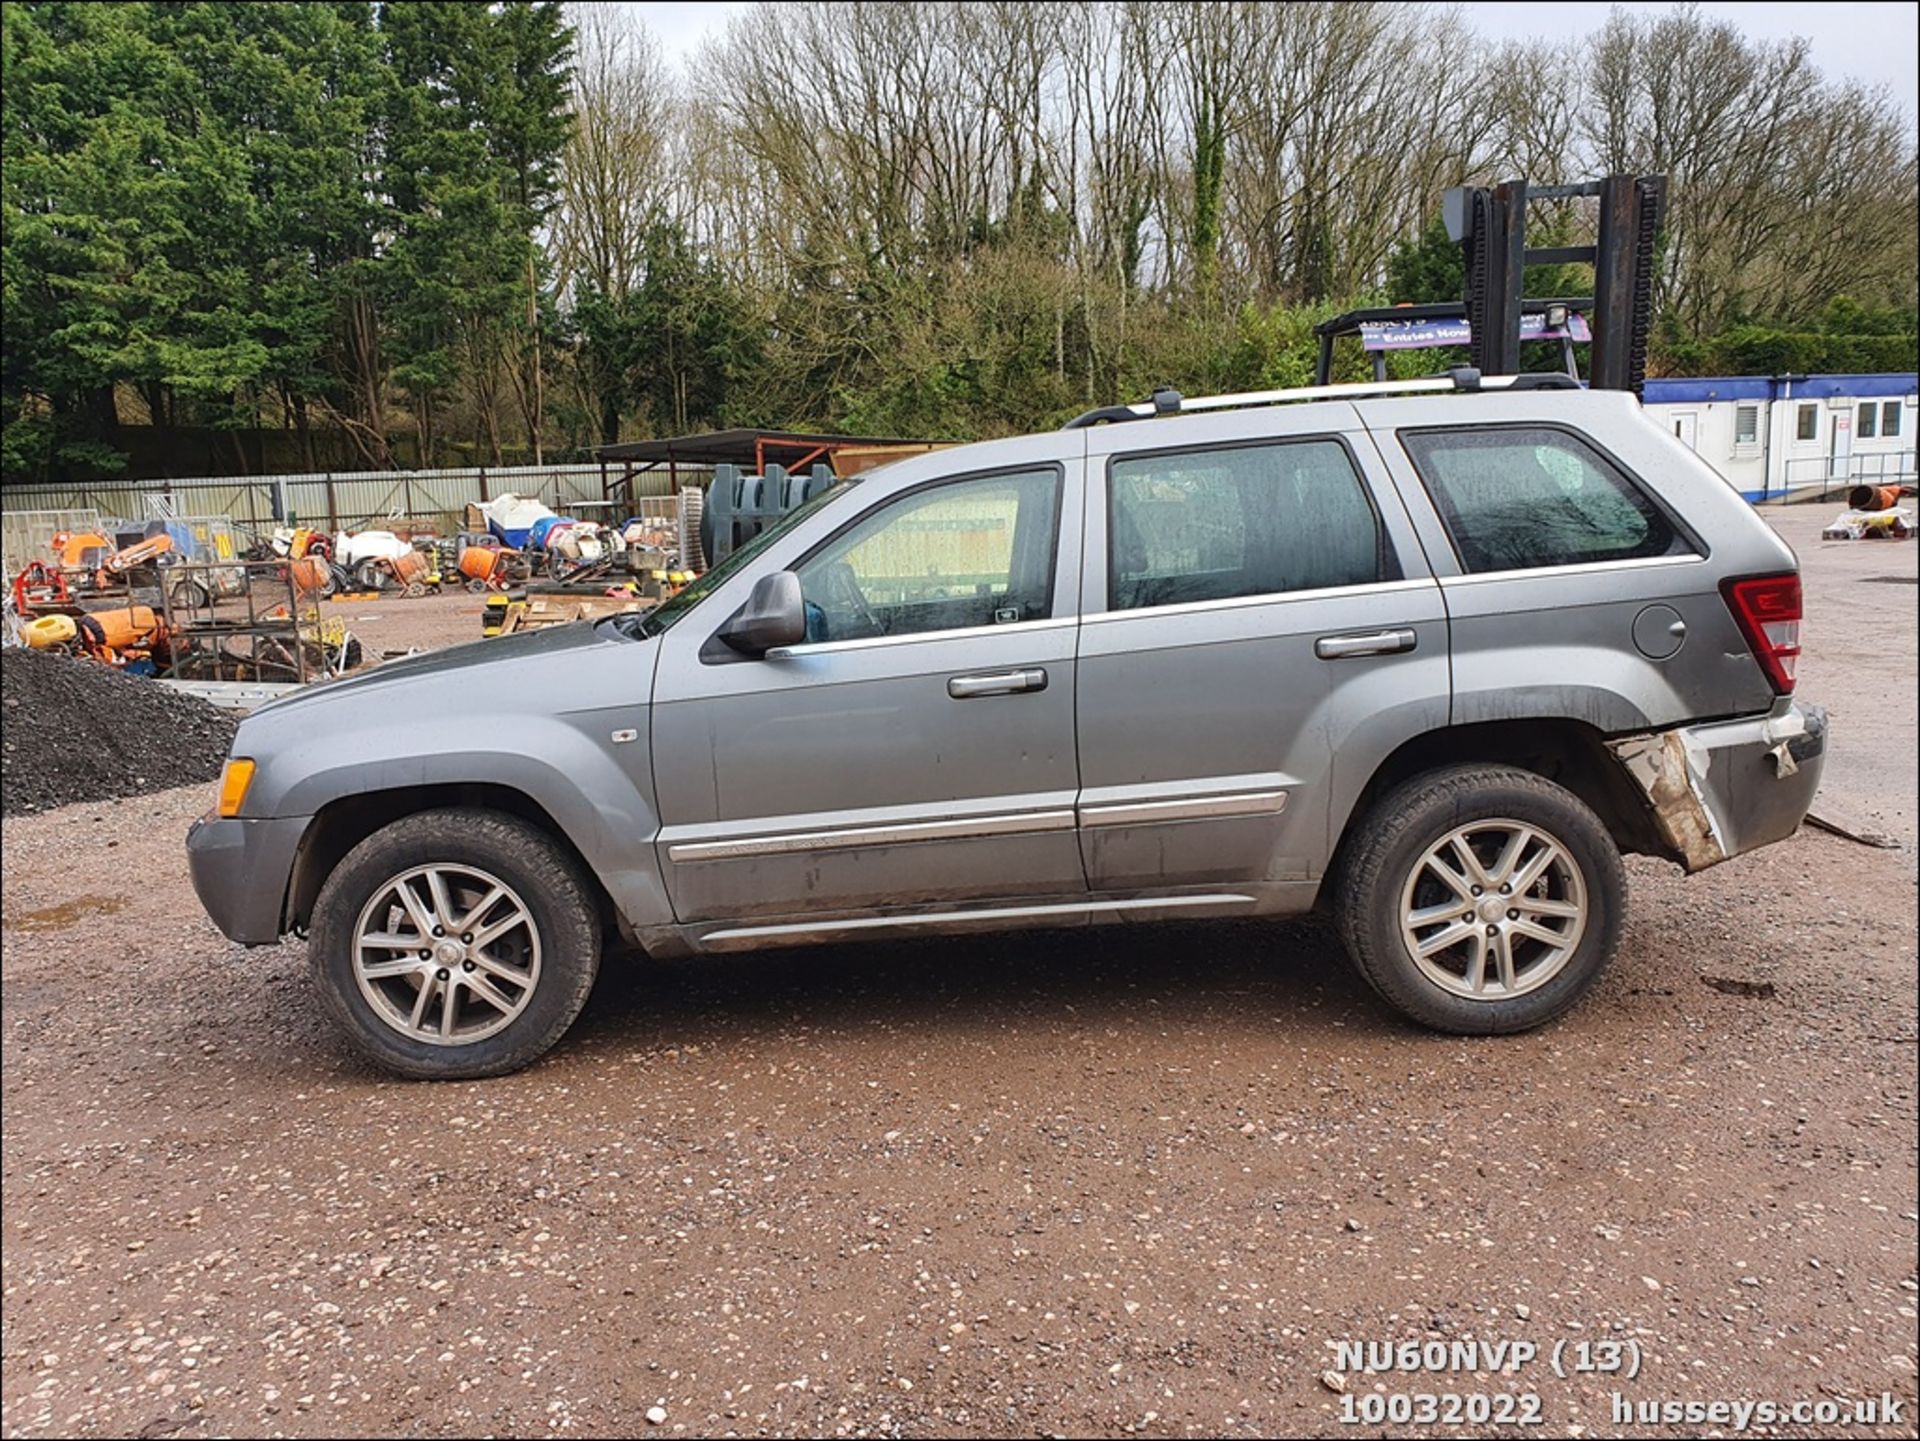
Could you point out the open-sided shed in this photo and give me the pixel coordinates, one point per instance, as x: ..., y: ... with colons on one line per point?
x: 750, y: 449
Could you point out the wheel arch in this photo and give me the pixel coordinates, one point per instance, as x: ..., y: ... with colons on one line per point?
x: 1568, y: 752
x: 342, y: 824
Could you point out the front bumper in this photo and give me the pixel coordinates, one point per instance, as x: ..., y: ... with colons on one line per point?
x: 1724, y: 789
x: 240, y: 870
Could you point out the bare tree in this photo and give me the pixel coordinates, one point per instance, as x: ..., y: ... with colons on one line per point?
x: 940, y: 189
x: 1733, y: 123
x: 615, y: 166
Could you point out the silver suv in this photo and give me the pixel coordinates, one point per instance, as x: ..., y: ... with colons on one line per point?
x: 1429, y: 656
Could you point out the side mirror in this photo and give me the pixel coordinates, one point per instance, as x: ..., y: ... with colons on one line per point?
x: 774, y: 615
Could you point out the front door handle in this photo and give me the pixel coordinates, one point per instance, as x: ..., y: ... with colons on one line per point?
x: 1006, y: 682
x: 1379, y: 642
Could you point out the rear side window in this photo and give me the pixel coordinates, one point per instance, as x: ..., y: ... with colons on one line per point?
x: 1519, y: 498
x: 1202, y: 525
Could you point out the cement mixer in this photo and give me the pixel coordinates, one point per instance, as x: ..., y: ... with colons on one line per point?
x: 115, y: 637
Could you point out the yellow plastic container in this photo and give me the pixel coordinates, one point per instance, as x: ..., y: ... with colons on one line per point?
x: 46, y: 631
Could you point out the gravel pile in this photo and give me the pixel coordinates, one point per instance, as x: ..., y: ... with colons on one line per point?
x: 74, y: 730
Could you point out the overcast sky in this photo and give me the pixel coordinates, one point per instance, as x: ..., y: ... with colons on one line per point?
x: 1877, y: 43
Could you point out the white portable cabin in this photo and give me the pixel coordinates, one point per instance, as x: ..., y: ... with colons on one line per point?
x: 1769, y: 435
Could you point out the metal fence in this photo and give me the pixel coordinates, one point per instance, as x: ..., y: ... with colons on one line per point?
x: 1832, y: 479
x: 335, y: 500
x: 28, y: 534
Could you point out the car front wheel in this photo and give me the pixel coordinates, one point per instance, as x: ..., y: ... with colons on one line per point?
x: 455, y: 944
x: 1482, y: 899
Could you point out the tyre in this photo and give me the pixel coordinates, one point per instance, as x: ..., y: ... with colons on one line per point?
x: 189, y: 594
x: 455, y: 944
x: 1481, y: 899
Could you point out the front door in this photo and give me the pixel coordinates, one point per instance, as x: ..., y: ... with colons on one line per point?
x: 917, y: 750
x: 1260, y: 633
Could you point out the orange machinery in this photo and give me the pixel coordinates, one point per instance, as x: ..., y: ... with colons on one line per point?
x: 112, y: 636
x: 99, y: 562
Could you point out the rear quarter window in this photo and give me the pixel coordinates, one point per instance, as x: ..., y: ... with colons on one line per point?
x: 1524, y: 498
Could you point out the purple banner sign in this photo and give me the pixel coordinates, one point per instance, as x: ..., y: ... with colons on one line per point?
x: 1416, y: 334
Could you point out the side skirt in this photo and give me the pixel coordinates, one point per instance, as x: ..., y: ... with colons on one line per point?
x: 1259, y: 898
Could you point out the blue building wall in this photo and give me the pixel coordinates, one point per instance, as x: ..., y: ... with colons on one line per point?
x: 1700, y: 389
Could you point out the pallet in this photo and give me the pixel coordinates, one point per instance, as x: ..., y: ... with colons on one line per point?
x: 537, y: 612
x: 240, y: 695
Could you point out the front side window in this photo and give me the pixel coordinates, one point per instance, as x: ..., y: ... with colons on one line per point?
x: 1889, y: 417
x: 1864, y: 427
x: 1807, y: 425
x: 1519, y: 498
x: 1205, y: 525
x: 964, y: 553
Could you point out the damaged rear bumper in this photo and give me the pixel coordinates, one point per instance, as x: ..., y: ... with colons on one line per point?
x: 1724, y: 789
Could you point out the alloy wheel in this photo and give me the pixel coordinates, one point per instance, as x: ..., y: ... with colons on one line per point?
x: 1493, y: 909
x: 446, y: 954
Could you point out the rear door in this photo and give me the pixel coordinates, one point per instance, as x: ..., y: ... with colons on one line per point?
x: 1261, y: 630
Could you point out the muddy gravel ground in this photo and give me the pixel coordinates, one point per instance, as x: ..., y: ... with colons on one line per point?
x: 393, y: 626
x: 1138, y: 1180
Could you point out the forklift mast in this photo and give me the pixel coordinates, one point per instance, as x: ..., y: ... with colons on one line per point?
x: 1491, y: 226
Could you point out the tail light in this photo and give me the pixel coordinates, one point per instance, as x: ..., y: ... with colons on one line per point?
x: 1767, y: 608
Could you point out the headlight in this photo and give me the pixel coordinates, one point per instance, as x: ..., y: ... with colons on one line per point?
x: 234, y: 781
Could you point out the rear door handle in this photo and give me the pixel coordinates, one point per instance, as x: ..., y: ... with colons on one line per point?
x: 1379, y: 642
x: 1005, y: 682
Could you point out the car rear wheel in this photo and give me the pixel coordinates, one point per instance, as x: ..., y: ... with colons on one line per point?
x: 455, y: 943
x: 1482, y: 899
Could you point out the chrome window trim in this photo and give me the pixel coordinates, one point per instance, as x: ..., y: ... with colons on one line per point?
x: 969, y: 828
x: 1276, y: 597
x: 1127, y: 813
x: 993, y: 915
x: 1591, y: 567
x: 965, y: 632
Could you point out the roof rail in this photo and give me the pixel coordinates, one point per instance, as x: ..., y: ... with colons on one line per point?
x: 1461, y: 378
